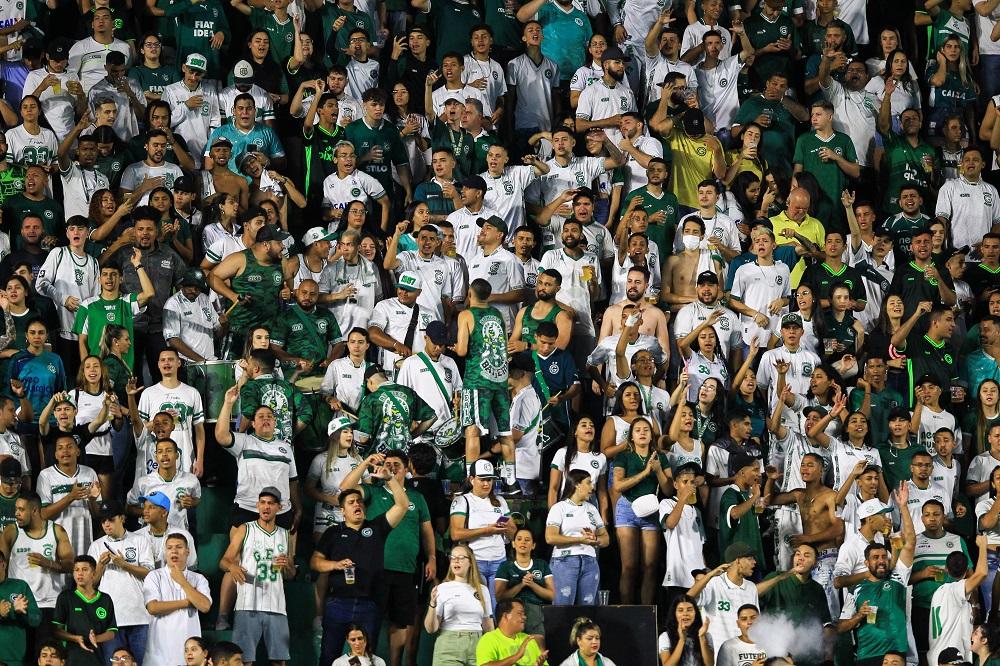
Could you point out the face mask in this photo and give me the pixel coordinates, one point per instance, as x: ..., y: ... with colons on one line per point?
x: 691, y: 242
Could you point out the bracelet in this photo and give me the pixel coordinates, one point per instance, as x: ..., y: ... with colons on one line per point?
x: 432, y: 605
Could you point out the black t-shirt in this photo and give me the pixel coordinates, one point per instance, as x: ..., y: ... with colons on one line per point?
x: 437, y: 502
x: 79, y: 616
x: 366, y: 548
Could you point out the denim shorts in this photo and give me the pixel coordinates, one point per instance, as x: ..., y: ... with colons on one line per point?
x: 625, y: 517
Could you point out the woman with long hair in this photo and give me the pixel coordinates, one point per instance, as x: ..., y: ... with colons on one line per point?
x: 741, y: 200
x: 988, y: 513
x: 482, y: 520
x: 879, y: 342
x: 685, y: 640
x: 807, y: 305
x: 888, y: 42
x: 174, y: 231
x: 222, y: 216
x: 585, y: 636
x: 360, y: 650
x: 628, y: 406
x: 412, y: 130
x: 29, y: 143
x: 115, y: 345
x: 105, y: 215
x: 575, y: 531
x: 355, y: 217
x: 977, y: 423
x: 639, y: 470
x: 419, y: 214
x: 709, y: 410
x: 907, y: 92
x: 703, y: 356
x: 92, y: 395
x: 940, y: 239
x: 327, y: 471
x: 258, y: 337
x: 747, y: 157
x: 685, y: 447
x: 459, y: 609
x: 591, y: 70
x: 986, y: 645
x: 953, y: 89
x: 853, y: 449
x: 582, y: 452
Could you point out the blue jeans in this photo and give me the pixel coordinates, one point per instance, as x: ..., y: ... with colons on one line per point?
x: 989, y: 75
x: 488, y: 573
x: 337, y: 616
x: 577, y: 579
x: 986, y: 587
x: 133, y: 637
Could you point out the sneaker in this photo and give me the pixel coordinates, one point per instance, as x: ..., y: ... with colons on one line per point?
x: 223, y: 624
x: 511, y: 491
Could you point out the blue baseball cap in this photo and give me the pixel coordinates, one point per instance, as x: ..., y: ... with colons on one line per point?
x: 157, y: 498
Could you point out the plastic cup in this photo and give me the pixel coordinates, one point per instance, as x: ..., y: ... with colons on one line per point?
x: 872, y: 614
x: 349, y: 575
x: 939, y: 576
x: 602, y: 597
x: 587, y: 273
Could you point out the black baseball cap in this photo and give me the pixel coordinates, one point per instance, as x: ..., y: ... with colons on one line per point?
x: 475, y: 182
x: 58, y: 49
x: 269, y: 232
x: 10, y: 467
x: 437, y: 331
x: 185, y: 184
x: 707, y: 277
x: 110, y: 509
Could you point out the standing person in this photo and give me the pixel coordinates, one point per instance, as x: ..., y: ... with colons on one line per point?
x: 482, y: 339
x: 683, y: 530
x: 112, y: 306
x: 20, y: 614
x: 69, y: 276
x: 402, y: 547
x: 459, y: 610
x: 575, y: 530
x: 86, y: 628
x: 183, y: 486
x: 183, y: 402
x: 482, y: 520
x: 742, y: 648
x: 259, y: 557
x: 174, y: 597
x: 69, y: 492
x: 724, y: 590
x: 527, y: 579
x: 255, y: 277
x: 353, y: 553
x: 124, y: 559
x: 950, y: 608
x: 155, y: 513
x: 195, y: 111
x: 39, y: 553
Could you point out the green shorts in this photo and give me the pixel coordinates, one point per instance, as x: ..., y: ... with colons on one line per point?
x: 480, y: 405
x: 456, y: 648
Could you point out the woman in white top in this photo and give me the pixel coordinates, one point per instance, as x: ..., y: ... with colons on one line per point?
x: 586, y: 636
x: 91, y: 397
x: 685, y: 640
x: 888, y: 42
x: 482, y: 520
x: 575, y: 530
x: 684, y: 447
x: 703, y: 357
x: 590, y: 72
x: 585, y: 454
x: 988, y: 522
x: 360, y: 652
x: 327, y: 471
x: 458, y: 609
x: 906, y: 94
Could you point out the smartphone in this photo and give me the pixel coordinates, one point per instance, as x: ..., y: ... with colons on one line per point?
x: 503, y: 520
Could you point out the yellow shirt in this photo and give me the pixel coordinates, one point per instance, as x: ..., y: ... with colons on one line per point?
x: 810, y: 228
x: 692, y: 163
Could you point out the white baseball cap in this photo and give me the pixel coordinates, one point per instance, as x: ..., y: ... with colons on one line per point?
x: 316, y: 234
x: 872, y: 507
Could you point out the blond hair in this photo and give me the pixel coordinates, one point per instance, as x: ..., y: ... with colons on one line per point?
x: 473, y: 579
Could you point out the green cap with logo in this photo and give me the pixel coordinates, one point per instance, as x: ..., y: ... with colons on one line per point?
x: 410, y: 281
x: 196, y: 61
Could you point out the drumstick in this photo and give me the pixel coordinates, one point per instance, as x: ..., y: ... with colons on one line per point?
x: 232, y: 307
x: 547, y: 405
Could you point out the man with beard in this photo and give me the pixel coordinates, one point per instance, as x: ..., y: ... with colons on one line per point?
x: 603, y: 103
x: 545, y: 308
x: 80, y: 179
x: 694, y: 259
x: 654, y: 321
x: 255, y: 278
x: 854, y: 107
x: 638, y: 148
x: 500, y: 268
x: 441, y: 282
x: 581, y: 278
x: 596, y: 237
x: 397, y: 325
x: 876, y: 608
x: 796, y: 594
x: 660, y: 205
x: 707, y: 302
x: 774, y: 112
x: 304, y: 333
x: 34, y: 200
x: 910, y: 161
x: 154, y: 166
x: 165, y: 270
x: 633, y: 251
x: 245, y: 133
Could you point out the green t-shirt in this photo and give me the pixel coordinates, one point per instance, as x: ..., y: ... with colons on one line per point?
x: 661, y: 233
x: 882, y: 403
x: 453, y: 23
x: 304, y: 334
x: 934, y: 552
x: 779, y: 137
x: 385, y: 136
x: 402, y: 547
x: 512, y: 572
x: 385, y: 416
x: 94, y: 315
x: 357, y: 19
x: 563, y: 32
x: 814, y: 37
x: 282, y: 34
x: 11, y: 182
x: 154, y: 80
x: 906, y: 165
x: 889, y: 630
x: 18, y: 207
x: 924, y: 356
x: 481, y: 146
x: 7, y: 510
x: 896, y: 461
x: 486, y: 365
x: 902, y: 228
x: 194, y: 27
x: 822, y: 278
x: 462, y: 146
x: 745, y: 529
x: 318, y: 156
x: 831, y: 177
x: 763, y: 32
x: 262, y: 282
x: 284, y: 399
x: 14, y: 628
x: 952, y: 94
x: 633, y: 463
x: 494, y: 646
x: 799, y: 601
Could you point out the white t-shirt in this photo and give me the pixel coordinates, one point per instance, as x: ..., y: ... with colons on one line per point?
x: 594, y: 464
x: 854, y: 115
x: 684, y: 544
x: 183, y: 484
x: 727, y: 328
x: 979, y: 470
x: 534, y: 90
x: 157, y: 544
x: 756, y: 286
x: 26, y: 148
x: 737, y: 652
x: 504, y: 272
x: 492, y: 71
x: 87, y: 58
x: 525, y: 412
x: 59, y: 109
x: 505, y: 194
x: 338, y: 192
x: 480, y: 512
x: 137, y: 172
x: 693, y: 35
x: 415, y: 374
x: 718, y: 92
x: 168, y: 633
x: 721, y: 599
x: 261, y: 463
x: 328, y: 483
x: 440, y: 278
x: 184, y: 404
x: 982, y: 508
x: 64, y: 274
x: 460, y: 608
x: 571, y: 519
x: 467, y: 230
x: 951, y: 624
x: 125, y: 589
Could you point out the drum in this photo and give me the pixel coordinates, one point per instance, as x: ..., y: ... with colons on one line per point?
x: 212, y: 379
x: 449, y: 440
x: 313, y: 437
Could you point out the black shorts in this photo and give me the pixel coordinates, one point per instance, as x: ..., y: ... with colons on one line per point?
x: 399, y: 597
x: 100, y: 464
x: 239, y: 516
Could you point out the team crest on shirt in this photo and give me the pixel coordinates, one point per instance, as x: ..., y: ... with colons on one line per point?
x: 548, y: 72
x: 595, y: 464
x: 783, y: 31
x: 207, y: 313
x: 367, y: 532
x: 578, y: 21
x: 355, y: 192
x: 948, y: 359
x: 49, y: 215
x: 130, y: 553
x: 807, y: 369
x: 554, y: 368
x: 723, y: 82
x: 277, y: 278
x: 987, y: 199
x: 52, y: 368
x: 438, y: 277
x: 258, y: 142
x: 412, y: 507
x: 321, y: 325
x: 700, y: 150
x: 101, y: 613
x: 48, y: 551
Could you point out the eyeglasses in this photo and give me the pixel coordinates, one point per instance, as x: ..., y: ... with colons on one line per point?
x: 152, y: 45
x: 121, y: 660
x: 459, y: 558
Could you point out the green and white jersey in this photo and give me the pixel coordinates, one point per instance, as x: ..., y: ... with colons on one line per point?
x: 933, y: 552
x: 45, y: 585
x: 26, y: 148
x: 385, y: 417
x: 950, y: 620
x: 183, y: 403
x: 505, y: 273
x: 338, y: 192
x: 181, y: 485
x: 54, y: 484
x: 124, y: 588
x: 486, y: 365
x: 264, y: 590
x: 262, y: 282
x: 720, y: 601
x: 261, y: 463
x: 328, y: 482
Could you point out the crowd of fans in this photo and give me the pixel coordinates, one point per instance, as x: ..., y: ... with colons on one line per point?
x: 692, y: 305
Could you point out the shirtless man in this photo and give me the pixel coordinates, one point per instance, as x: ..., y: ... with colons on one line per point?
x: 545, y: 308
x: 654, y: 320
x: 682, y: 268
x: 223, y: 178
x: 820, y: 525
